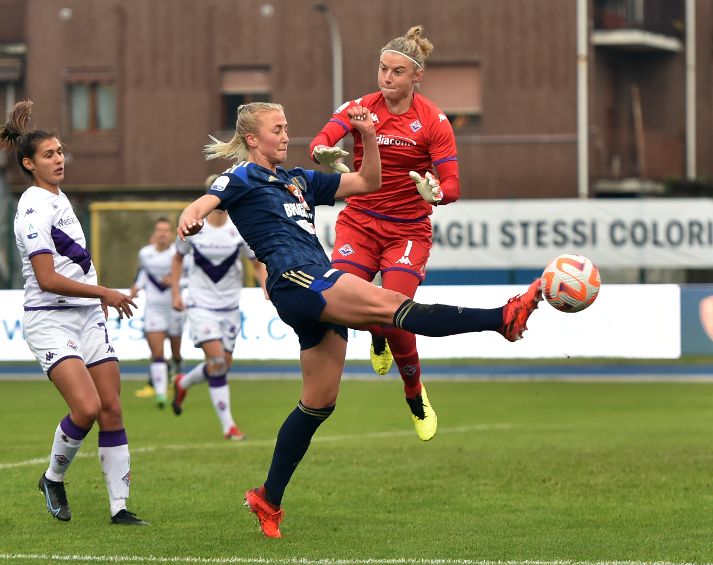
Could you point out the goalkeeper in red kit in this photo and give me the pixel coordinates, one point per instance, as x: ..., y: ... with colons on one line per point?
x: 389, y: 231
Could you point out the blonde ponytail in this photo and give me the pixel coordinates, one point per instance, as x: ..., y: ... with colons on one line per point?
x: 247, y: 122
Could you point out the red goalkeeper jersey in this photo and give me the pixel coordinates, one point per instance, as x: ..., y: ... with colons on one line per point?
x: 415, y: 141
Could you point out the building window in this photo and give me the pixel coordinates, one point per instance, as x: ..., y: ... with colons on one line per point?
x: 463, y: 105
x: 92, y: 107
x: 242, y: 86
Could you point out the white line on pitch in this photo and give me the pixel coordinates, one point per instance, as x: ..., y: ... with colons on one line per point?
x: 266, y: 443
x: 304, y: 561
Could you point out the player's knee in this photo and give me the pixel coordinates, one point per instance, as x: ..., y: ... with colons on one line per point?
x: 111, y: 410
x: 86, y: 413
x: 216, y: 366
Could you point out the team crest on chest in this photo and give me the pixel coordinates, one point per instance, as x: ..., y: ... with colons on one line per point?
x: 296, y: 188
x: 415, y: 126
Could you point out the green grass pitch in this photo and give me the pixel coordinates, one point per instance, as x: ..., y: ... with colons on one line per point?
x: 519, y: 471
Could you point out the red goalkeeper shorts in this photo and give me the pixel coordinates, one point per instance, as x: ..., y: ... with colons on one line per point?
x: 376, y: 244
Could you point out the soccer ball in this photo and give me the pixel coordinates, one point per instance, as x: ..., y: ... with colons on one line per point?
x: 570, y: 283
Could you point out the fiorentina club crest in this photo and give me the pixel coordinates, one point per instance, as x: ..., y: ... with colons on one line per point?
x: 346, y: 250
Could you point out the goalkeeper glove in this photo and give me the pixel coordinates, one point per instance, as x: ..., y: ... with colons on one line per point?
x: 429, y: 188
x: 330, y: 156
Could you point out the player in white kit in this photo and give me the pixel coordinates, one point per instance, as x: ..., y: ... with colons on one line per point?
x: 64, y: 320
x: 161, y: 321
x: 212, y: 303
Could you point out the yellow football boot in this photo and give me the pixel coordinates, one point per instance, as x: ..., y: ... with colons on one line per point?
x: 424, y: 417
x: 146, y: 391
x: 381, y: 358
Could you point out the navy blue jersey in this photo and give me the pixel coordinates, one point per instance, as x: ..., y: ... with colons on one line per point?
x: 274, y: 212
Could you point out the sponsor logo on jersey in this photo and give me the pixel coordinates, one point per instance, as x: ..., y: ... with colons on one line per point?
x: 68, y: 221
x: 220, y: 183
x: 382, y: 139
x: 442, y: 117
x: 307, y: 226
x: 295, y: 209
x: 415, y: 126
x: 346, y: 250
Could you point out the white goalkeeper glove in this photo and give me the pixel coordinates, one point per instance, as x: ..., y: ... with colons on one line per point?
x: 429, y: 188
x: 330, y: 156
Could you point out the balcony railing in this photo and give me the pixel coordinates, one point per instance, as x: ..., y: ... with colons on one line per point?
x: 665, y: 17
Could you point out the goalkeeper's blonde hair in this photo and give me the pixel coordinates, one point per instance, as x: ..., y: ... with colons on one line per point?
x: 412, y: 45
x: 247, y: 121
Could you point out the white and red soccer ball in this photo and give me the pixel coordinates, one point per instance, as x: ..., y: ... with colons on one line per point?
x: 570, y: 283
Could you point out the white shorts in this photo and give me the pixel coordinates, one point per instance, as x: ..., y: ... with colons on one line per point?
x: 210, y: 325
x: 55, y: 335
x: 163, y: 319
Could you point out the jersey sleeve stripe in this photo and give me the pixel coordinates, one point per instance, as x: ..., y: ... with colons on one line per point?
x: 341, y: 123
x: 39, y: 252
x: 451, y: 158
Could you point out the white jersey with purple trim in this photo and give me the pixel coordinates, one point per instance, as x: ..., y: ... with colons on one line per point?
x: 216, y: 277
x: 46, y: 223
x: 155, y: 267
x: 141, y: 277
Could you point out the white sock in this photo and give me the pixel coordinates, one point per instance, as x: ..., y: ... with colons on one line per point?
x: 68, y: 439
x: 220, y: 396
x: 194, y: 376
x: 159, y: 377
x: 116, y: 465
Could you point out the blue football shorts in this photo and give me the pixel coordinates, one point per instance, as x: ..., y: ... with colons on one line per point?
x: 297, y: 296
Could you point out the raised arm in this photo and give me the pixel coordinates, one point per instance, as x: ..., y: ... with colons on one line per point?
x: 368, y: 179
x: 191, y: 220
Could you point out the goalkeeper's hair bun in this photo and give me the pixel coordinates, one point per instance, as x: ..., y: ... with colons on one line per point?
x: 413, y: 45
